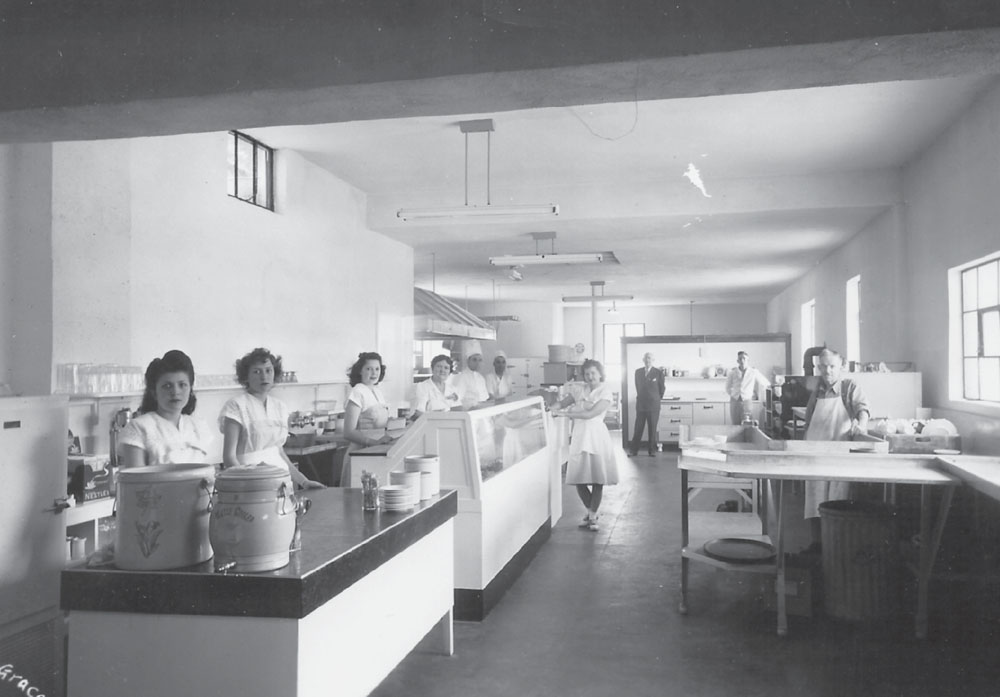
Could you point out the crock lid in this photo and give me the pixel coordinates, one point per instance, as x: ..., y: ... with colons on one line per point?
x: 260, y: 477
x: 166, y: 473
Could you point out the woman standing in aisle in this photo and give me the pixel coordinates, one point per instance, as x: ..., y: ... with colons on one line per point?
x: 593, y: 458
x: 165, y: 432
x: 255, y: 424
x: 367, y: 413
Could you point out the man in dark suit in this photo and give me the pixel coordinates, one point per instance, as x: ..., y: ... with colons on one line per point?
x: 649, y: 388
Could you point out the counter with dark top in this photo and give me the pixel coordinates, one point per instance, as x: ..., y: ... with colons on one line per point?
x: 364, y: 589
x: 340, y: 544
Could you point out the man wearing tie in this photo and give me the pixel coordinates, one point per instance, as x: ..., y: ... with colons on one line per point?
x: 740, y: 386
x: 649, y: 388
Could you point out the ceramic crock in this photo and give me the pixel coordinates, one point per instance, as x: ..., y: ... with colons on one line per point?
x: 253, y: 518
x: 163, y: 516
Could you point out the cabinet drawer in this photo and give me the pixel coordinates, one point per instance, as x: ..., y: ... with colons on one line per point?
x: 711, y: 413
x: 675, y: 409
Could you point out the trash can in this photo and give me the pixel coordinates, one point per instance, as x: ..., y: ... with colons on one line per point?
x: 860, y: 559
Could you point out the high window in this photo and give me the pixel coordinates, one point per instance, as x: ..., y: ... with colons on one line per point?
x: 251, y: 170
x: 808, y: 328
x: 980, y: 320
x: 854, y: 319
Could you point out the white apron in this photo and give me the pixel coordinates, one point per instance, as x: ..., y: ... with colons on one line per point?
x: 830, y: 421
x: 371, y: 424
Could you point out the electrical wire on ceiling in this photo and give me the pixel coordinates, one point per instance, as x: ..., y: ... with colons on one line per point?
x: 635, y: 113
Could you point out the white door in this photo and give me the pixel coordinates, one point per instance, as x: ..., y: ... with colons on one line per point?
x: 32, y: 534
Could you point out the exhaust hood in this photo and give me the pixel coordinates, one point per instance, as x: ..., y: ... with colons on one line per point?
x: 439, y: 318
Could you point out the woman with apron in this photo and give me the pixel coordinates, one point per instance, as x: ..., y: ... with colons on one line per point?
x: 837, y: 410
x: 254, y: 424
x: 367, y: 413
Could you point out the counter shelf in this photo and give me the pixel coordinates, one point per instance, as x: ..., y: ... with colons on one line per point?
x: 364, y: 589
x: 781, y: 461
x: 500, y: 460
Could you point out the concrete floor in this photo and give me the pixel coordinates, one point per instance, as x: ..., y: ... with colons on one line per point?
x: 595, y: 614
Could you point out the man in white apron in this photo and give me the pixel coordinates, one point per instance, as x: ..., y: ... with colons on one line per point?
x: 837, y: 410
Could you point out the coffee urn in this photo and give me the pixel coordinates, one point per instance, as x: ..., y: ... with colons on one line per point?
x: 119, y: 420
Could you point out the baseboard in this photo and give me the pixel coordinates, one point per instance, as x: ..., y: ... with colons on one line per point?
x: 472, y: 605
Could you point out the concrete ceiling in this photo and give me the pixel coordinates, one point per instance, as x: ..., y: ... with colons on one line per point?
x: 788, y: 177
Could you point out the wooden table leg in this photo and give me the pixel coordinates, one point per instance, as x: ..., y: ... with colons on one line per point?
x: 779, y: 550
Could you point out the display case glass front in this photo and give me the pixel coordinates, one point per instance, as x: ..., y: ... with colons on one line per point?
x: 504, y: 438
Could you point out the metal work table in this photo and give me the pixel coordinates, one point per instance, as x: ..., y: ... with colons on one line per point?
x: 775, y: 467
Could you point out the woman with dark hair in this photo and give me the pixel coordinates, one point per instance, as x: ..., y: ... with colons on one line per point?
x: 165, y: 432
x: 254, y: 424
x: 593, y: 458
x: 437, y: 394
x: 366, y: 413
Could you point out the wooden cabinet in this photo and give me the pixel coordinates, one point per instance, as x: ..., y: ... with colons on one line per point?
x: 711, y: 413
x: 695, y: 412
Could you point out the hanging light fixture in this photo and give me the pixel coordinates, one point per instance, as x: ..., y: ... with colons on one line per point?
x: 614, y: 308
x: 467, y: 212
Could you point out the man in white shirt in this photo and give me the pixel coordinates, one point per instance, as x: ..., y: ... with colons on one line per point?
x: 470, y: 383
x: 741, y: 383
x: 497, y: 381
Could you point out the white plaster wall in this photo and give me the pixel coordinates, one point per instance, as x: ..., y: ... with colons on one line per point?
x: 91, y: 251
x: 26, y: 268
x: 665, y: 320
x: 877, y: 253
x: 952, y: 214
x: 949, y: 217
x: 539, y: 325
x: 182, y: 265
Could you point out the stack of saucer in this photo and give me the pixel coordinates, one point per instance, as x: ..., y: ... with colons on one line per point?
x: 430, y: 473
x: 395, y: 497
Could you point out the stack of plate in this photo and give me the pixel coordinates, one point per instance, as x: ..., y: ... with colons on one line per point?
x: 395, y: 497
x: 430, y: 474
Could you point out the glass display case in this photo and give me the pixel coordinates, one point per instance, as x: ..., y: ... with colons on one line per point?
x: 503, y: 439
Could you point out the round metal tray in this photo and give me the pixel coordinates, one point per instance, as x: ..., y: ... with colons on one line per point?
x: 738, y: 550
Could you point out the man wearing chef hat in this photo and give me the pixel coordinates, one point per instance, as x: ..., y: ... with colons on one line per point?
x: 498, y: 381
x: 470, y: 383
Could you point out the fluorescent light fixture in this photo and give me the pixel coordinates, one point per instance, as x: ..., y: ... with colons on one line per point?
x: 487, y: 211
x: 539, y: 259
x: 594, y: 298
x: 500, y: 318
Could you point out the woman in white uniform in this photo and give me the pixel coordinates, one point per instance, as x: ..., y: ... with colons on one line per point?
x: 437, y: 393
x: 367, y: 413
x: 593, y: 457
x: 837, y: 410
x: 255, y: 424
x: 166, y: 432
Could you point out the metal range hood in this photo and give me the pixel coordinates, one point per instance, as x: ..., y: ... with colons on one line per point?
x: 439, y: 318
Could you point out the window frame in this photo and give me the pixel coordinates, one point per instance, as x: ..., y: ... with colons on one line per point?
x: 233, y: 172
x: 852, y: 301
x: 979, y: 311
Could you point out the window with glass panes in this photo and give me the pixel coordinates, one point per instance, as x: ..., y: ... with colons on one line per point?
x: 251, y: 170
x: 981, y: 331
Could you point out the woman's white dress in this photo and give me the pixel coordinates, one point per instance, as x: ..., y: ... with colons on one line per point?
x: 166, y: 444
x: 593, y: 457
x: 264, y: 432
x: 372, y: 421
